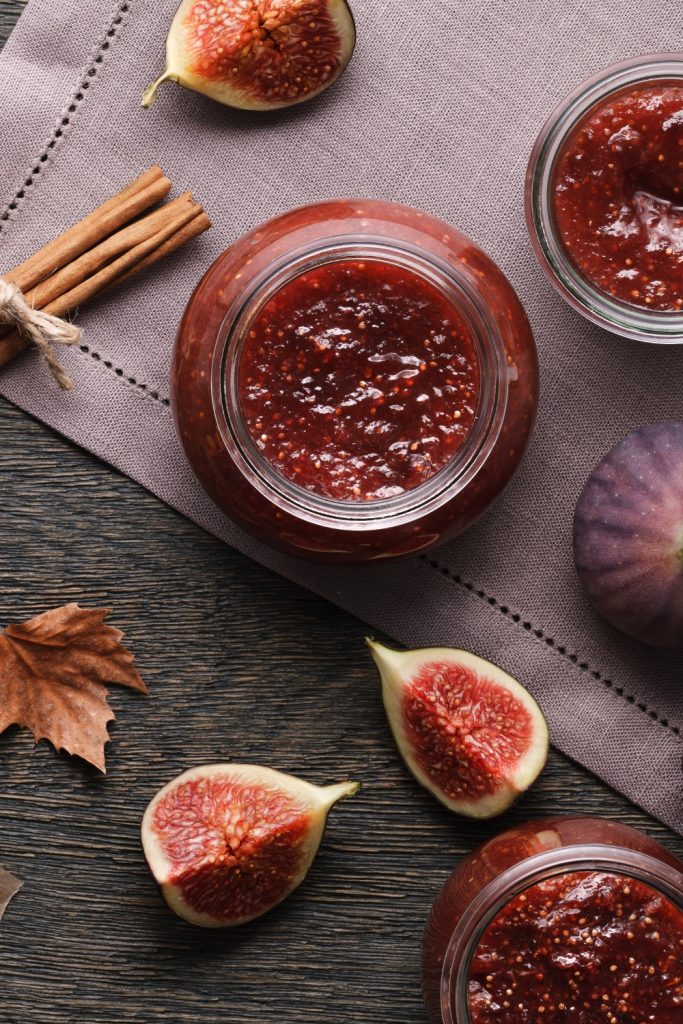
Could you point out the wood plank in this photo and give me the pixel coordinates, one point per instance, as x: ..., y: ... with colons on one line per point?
x: 9, y: 12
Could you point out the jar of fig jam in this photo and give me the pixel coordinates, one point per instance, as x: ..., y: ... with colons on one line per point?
x: 604, y: 198
x: 568, y: 920
x: 354, y: 380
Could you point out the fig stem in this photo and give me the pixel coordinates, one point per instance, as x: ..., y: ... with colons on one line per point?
x: 334, y: 793
x: 385, y: 657
x: 150, y: 94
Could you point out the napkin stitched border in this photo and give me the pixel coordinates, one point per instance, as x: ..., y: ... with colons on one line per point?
x: 542, y: 638
x: 77, y: 98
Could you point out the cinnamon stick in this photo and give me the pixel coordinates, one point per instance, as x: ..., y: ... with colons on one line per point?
x: 109, y: 246
x: 121, y: 209
x: 110, y: 274
x: 189, y: 222
x: 90, y: 262
x: 193, y: 229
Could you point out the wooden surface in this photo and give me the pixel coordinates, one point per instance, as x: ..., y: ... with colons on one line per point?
x: 241, y: 665
x: 9, y: 12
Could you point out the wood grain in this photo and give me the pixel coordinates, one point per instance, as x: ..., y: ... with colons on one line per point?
x: 241, y: 665
x: 9, y: 12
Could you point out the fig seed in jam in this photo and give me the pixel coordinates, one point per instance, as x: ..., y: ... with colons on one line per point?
x: 618, y: 195
x: 585, y: 947
x: 359, y: 380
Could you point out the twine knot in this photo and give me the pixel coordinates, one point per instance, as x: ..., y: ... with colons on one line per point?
x: 38, y: 328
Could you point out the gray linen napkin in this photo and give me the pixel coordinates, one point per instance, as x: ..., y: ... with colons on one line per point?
x: 438, y: 109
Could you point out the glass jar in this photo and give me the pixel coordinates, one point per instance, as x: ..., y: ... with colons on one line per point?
x: 615, y: 314
x: 491, y: 877
x: 206, y: 393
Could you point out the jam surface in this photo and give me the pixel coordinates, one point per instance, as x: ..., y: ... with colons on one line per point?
x: 618, y: 196
x: 585, y: 947
x: 359, y: 380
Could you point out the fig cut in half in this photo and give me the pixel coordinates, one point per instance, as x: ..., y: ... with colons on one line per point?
x: 227, y: 842
x: 469, y: 732
x: 258, y: 54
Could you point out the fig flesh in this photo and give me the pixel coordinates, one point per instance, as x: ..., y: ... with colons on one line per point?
x: 258, y: 54
x: 469, y: 732
x: 628, y: 535
x: 227, y: 842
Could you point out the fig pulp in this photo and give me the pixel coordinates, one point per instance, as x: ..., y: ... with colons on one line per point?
x: 628, y: 535
x: 258, y: 54
x: 470, y: 733
x: 227, y: 842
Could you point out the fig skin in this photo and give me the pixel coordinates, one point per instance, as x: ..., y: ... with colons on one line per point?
x: 628, y: 535
x: 215, y: 867
x: 460, y: 699
x: 258, y: 54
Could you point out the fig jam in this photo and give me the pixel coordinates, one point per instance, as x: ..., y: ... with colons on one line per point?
x: 585, y: 947
x: 618, y: 195
x: 559, y: 921
x: 359, y: 380
x: 393, y: 408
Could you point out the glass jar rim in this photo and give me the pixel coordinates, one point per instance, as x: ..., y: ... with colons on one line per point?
x: 641, y: 324
x: 611, y: 859
x: 437, y: 489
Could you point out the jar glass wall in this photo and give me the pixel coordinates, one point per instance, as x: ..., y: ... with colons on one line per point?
x: 647, y: 214
x: 228, y: 457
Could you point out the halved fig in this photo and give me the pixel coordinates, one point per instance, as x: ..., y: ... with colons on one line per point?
x: 258, y: 54
x: 227, y: 842
x: 469, y: 732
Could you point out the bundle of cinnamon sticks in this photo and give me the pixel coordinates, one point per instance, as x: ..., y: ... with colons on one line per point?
x: 110, y: 245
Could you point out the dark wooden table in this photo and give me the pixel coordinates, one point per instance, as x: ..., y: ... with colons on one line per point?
x: 241, y: 665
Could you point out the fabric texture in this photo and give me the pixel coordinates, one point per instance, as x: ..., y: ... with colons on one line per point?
x: 439, y: 109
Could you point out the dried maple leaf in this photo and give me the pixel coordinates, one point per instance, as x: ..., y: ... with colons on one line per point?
x: 9, y: 885
x: 52, y: 671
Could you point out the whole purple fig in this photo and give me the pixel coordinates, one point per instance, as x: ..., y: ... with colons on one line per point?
x: 628, y: 535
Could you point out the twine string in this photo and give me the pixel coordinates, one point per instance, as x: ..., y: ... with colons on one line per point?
x: 40, y: 329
